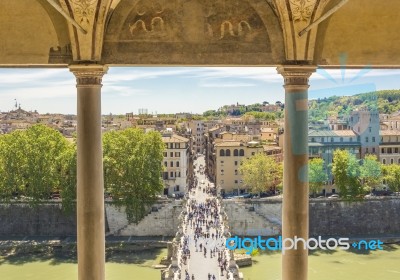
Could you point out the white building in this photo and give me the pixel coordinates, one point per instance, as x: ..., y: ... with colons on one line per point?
x: 197, y: 128
x: 176, y: 163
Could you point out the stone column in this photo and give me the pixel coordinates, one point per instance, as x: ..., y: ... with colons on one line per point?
x: 90, y: 189
x: 295, y: 174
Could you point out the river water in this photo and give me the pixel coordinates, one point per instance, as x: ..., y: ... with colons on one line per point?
x: 330, y: 265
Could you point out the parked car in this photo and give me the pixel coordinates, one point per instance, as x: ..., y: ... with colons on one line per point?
x: 333, y: 196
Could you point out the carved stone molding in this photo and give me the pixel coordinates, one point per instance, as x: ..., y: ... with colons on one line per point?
x: 88, y: 75
x: 296, y: 75
x: 90, y: 15
x: 295, y: 16
x: 84, y: 11
x: 302, y: 9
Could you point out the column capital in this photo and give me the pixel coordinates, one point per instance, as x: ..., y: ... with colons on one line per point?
x: 88, y: 75
x: 296, y: 75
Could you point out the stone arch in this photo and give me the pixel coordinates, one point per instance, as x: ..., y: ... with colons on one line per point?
x: 191, y: 32
x: 40, y: 36
x: 374, y: 27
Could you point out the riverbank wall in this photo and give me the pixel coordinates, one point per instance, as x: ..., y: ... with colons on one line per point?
x: 246, y: 217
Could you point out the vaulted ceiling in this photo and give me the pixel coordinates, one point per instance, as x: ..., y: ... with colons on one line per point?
x: 199, y: 32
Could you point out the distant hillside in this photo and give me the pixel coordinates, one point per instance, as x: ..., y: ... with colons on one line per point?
x: 385, y: 101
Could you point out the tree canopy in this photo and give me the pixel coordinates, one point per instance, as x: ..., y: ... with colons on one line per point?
x: 370, y: 172
x: 132, y: 169
x: 346, y: 171
x: 391, y: 174
x: 316, y: 174
x: 260, y: 172
x: 36, y: 162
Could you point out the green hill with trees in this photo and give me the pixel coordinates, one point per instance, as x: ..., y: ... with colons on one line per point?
x: 385, y: 101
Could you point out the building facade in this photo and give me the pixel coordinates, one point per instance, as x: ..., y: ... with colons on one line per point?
x: 176, y: 174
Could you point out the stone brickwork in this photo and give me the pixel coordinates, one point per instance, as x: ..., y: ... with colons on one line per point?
x: 161, y: 221
x: 371, y: 217
x: 243, y: 220
x: 18, y: 219
x: 246, y: 217
x: 327, y: 217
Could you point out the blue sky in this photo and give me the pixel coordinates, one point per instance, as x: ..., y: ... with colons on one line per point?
x: 177, y: 89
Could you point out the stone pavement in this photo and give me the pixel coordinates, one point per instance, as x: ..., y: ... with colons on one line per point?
x: 198, y: 265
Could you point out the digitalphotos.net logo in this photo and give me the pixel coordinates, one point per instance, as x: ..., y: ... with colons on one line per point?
x: 279, y: 244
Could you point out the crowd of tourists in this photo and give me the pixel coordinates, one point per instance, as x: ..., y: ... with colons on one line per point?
x: 203, y: 228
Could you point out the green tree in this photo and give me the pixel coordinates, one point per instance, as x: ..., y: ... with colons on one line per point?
x: 132, y: 169
x: 260, y: 172
x: 31, y: 163
x: 68, y: 173
x: 346, y: 171
x: 316, y: 174
x: 370, y: 172
x: 11, y: 164
x: 391, y: 174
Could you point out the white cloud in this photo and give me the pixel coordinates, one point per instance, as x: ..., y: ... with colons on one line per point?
x: 26, y: 76
x: 226, y: 85
x: 124, y: 91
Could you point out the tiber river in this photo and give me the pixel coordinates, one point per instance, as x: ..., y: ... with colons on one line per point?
x: 323, y: 265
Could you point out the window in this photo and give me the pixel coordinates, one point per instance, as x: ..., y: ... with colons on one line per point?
x: 331, y: 139
x: 389, y: 150
x: 241, y: 152
x: 312, y: 139
x: 171, y: 154
x: 235, y: 152
x: 351, y: 139
x: 236, y: 163
x: 177, y: 154
x: 322, y: 139
x: 165, y: 154
x: 253, y: 153
x: 366, y: 139
x: 236, y: 181
x: 171, y: 174
x: 222, y: 172
x: 382, y: 150
x: 373, y: 139
x: 341, y: 139
x: 228, y: 153
x: 384, y: 161
x: 391, y: 161
x: 358, y: 138
x: 222, y: 153
x: 176, y: 145
x: 165, y: 164
x: 373, y: 150
x: 370, y: 129
x: 171, y: 164
x: 165, y: 175
x: 171, y: 145
x: 236, y: 172
x: 396, y: 150
x: 177, y: 164
x: 222, y: 162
